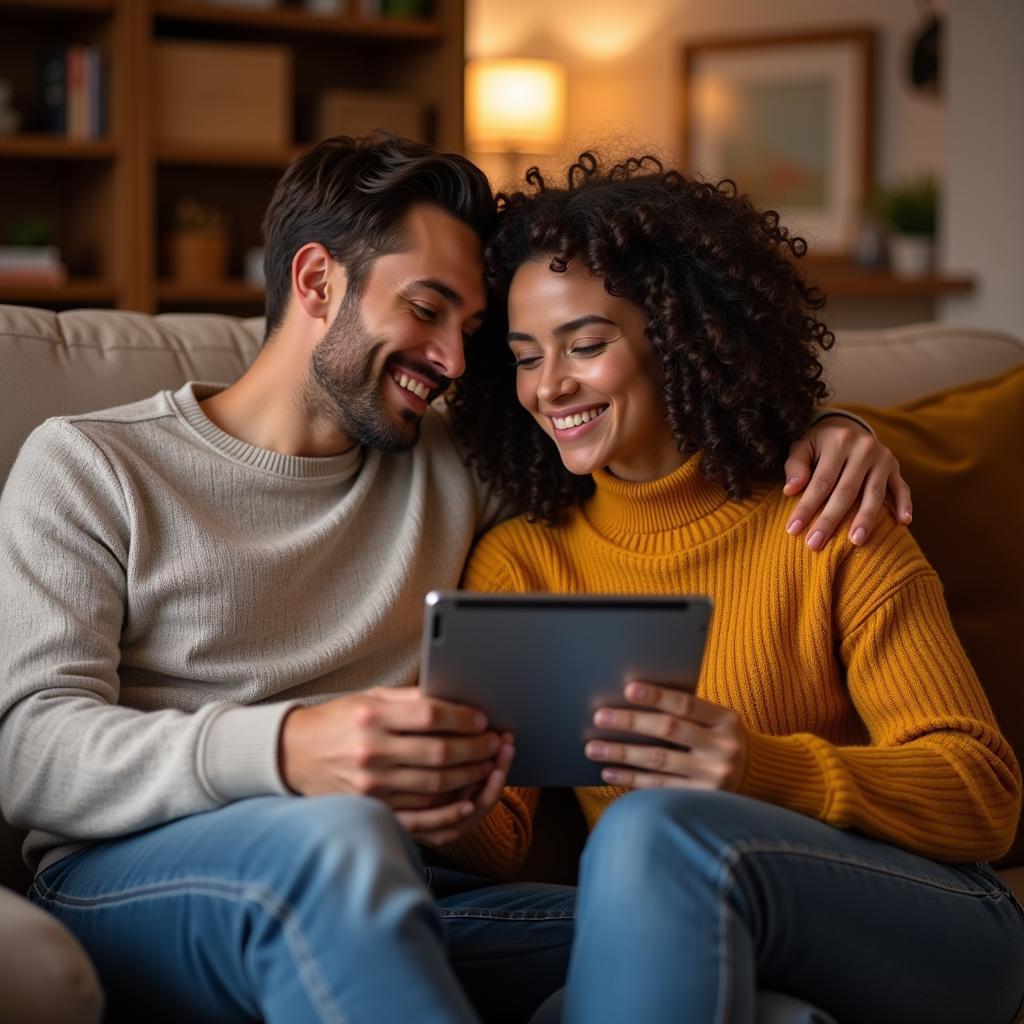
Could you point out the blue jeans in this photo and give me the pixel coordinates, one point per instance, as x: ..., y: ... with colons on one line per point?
x: 690, y: 900
x: 293, y: 909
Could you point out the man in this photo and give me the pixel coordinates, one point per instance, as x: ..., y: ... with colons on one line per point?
x: 210, y: 605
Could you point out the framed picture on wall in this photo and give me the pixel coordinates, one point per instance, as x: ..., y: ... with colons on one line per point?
x: 789, y: 118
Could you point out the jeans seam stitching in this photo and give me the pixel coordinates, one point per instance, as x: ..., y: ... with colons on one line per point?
x: 741, y: 849
x: 508, y: 915
x: 281, y: 911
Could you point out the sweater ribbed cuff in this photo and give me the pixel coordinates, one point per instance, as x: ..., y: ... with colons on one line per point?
x: 238, y: 757
x: 783, y: 770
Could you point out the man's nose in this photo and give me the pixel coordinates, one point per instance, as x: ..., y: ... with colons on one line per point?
x: 447, y: 353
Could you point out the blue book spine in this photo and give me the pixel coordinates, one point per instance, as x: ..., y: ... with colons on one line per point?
x: 55, y: 92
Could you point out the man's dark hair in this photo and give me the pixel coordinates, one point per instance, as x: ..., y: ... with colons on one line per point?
x: 352, y: 195
x: 728, y: 315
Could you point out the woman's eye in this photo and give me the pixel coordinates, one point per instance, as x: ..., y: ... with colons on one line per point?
x: 590, y: 350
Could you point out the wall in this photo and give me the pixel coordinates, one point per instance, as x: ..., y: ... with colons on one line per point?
x: 623, y: 62
x: 984, y: 210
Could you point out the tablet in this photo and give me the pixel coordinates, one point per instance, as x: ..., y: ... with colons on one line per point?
x: 540, y: 665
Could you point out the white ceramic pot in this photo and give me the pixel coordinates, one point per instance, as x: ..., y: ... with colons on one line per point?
x: 911, y: 255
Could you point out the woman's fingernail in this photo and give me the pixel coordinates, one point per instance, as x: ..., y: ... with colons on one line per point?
x: 466, y: 810
x: 596, y: 749
x: 792, y: 480
x: 637, y: 691
x: 604, y: 717
x: 815, y: 540
x: 795, y: 526
x: 610, y: 775
x: 906, y: 516
x: 858, y: 535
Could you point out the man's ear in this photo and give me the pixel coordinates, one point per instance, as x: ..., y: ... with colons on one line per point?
x: 318, y: 282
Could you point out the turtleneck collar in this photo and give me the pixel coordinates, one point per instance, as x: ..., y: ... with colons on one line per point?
x: 625, y: 513
x: 298, y: 467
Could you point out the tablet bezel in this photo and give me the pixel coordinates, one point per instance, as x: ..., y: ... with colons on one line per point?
x: 657, y: 638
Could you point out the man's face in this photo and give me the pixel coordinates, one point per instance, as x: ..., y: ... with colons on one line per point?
x: 395, y: 346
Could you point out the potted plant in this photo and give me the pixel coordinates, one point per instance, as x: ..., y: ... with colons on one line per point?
x: 197, y: 242
x: 908, y: 213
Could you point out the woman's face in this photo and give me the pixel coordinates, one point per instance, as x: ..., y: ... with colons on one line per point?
x: 587, y: 373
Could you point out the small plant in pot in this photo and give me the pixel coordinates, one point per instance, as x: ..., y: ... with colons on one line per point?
x: 197, y: 242
x: 908, y: 212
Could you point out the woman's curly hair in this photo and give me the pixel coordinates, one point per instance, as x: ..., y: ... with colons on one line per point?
x: 728, y: 314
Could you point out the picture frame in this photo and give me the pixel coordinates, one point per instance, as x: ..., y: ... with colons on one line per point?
x: 790, y: 119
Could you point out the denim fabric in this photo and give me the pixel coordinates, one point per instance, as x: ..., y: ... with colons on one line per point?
x: 302, y: 909
x: 509, y: 944
x: 691, y: 900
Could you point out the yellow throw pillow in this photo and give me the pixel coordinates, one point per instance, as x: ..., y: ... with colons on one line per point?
x: 962, y: 452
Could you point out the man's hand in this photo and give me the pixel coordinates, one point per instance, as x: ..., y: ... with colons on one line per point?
x: 485, y: 800
x: 847, y: 462
x: 424, y: 758
x: 703, y: 745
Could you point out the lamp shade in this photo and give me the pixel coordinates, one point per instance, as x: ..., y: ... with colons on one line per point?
x: 515, y: 105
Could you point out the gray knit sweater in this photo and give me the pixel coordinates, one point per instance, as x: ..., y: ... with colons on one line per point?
x: 167, y: 592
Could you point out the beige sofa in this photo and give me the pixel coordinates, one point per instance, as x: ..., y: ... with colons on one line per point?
x: 54, y: 364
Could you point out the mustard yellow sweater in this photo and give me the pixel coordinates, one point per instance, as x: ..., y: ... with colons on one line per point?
x: 860, y: 706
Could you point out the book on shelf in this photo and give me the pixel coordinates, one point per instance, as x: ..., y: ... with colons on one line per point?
x: 31, y: 265
x: 73, y: 88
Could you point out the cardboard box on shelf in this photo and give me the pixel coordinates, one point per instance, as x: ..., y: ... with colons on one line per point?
x: 223, y: 94
x: 360, y: 111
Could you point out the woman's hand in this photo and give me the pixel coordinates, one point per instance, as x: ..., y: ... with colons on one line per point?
x: 704, y: 746
x: 847, y: 461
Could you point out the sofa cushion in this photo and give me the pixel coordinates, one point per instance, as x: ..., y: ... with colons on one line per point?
x: 959, y: 449
x: 58, y: 364
x: 45, y: 975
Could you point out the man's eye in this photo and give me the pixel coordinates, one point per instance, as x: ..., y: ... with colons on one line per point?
x: 526, y: 362
x: 423, y: 312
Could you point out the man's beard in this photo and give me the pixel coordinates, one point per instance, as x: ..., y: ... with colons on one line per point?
x: 344, y: 385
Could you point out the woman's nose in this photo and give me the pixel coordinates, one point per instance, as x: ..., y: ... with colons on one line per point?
x: 555, y: 383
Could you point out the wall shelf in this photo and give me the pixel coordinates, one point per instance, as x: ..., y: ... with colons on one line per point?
x: 848, y: 281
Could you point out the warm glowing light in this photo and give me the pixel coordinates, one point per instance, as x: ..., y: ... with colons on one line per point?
x: 515, y: 105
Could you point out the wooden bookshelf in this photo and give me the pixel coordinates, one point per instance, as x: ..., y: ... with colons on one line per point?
x: 108, y: 200
x: 74, y: 292
x: 37, y: 146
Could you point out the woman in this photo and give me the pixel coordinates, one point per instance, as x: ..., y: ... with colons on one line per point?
x: 814, y: 819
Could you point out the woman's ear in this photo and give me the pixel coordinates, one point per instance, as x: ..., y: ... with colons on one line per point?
x: 318, y: 281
